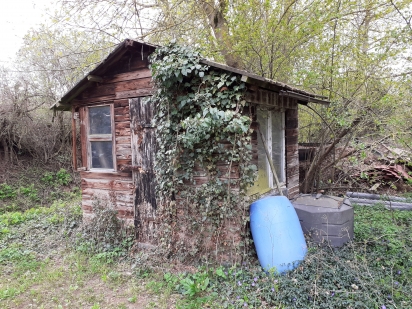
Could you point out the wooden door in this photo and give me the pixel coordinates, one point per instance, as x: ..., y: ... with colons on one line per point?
x: 143, y: 153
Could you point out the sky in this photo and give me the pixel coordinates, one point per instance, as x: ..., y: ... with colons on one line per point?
x: 16, y: 18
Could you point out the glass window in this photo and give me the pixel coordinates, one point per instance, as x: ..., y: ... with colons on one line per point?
x: 100, y: 137
x: 278, y: 147
x: 100, y: 120
x: 102, y: 154
x: 272, y: 127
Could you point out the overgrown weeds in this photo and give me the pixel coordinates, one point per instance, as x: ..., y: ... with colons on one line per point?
x: 44, y: 248
x: 34, y: 188
x: 105, y: 235
x: 373, y: 271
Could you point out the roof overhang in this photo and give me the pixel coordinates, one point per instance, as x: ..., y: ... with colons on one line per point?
x: 89, y: 80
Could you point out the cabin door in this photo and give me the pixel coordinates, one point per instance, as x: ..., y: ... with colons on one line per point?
x: 143, y: 152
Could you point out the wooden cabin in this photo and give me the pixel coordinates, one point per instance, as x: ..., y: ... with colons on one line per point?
x: 110, y: 109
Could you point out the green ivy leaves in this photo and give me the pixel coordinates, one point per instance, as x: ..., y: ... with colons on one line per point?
x: 202, y: 124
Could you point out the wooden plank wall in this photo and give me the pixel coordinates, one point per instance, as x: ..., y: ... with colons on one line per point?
x: 292, y: 156
x: 130, y: 78
x: 143, y: 154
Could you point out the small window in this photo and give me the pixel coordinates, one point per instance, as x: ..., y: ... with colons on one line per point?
x: 272, y: 127
x: 100, y: 137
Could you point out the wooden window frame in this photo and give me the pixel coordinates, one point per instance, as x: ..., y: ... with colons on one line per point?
x: 100, y: 138
x: 269, y: 137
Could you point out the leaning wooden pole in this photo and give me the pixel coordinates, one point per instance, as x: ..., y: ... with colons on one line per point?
x: 272, y: 167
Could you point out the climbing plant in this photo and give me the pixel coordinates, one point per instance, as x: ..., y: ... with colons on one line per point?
x: 203, y: 162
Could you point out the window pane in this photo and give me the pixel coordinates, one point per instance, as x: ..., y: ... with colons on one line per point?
x: 100, y: 120
x: 277, y: 143
x: 102, y: 155
x: 261, y: 184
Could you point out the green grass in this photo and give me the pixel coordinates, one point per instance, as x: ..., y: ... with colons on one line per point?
x: 41, y: 268
x: 47, y: 262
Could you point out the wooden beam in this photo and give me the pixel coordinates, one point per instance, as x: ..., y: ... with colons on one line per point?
x: 74, y: 135
x: 95, y: 78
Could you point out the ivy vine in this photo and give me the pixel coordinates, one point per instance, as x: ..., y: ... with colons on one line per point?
x: 203, y: 135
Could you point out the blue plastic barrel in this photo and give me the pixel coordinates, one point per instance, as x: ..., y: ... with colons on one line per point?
x: 277, y: 234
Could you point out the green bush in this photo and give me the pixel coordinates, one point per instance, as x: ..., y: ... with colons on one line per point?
x: 106, y: 233
x: 60, y: 178
x: 7, y: 192
x: 15, y: 255
x: 29, y: 192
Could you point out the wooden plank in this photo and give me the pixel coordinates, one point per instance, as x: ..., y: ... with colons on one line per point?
x: 99, y: 90
x: 292, y: 156
x: 121, y: 103
x: 124, y: 161
x: 124, y: 164
x: 124, y: 155
x: 125, y: 212
x: 116, y: 185
x: 292, y: 132
x: 130, y: 61
x: 83, y: 135
x: 74, y: 138
x: 94, y: 101
x: 134, y: 84
x: 123, y: 147
x: 122, y: 118
x: 142, y: 73
x: 293, y: 192
x: 103, y: 175
x: 292, y: 149
x: 291, y: 138
x: 135, y: 93
x: 121, y: 110
x: 123, y: 140
x: 125, y: 196
x: 143, y: 150
x: 89, y: 202
x: 122, y: 125
x: 269, y: 98
x: 138, y: 62
x: 122, y: 131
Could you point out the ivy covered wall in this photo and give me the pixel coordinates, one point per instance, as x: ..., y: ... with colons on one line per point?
x: 203, y: 163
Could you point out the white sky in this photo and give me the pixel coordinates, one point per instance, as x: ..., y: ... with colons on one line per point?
x: 16, y: 18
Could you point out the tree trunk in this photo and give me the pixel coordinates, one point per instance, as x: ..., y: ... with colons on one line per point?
x: 218, y: 23
x: 5, y: 150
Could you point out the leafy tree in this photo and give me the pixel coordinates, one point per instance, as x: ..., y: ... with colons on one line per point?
x: 355, y: 53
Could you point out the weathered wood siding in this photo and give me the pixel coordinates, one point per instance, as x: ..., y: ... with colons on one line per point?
x: 130, y: 77
x: 143, y: 155
x: 292, y: 155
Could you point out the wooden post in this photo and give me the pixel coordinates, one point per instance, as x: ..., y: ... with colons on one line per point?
x: 74, y: 138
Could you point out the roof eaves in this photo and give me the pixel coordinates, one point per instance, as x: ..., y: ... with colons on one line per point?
x: 85, y: 83
x: 286, y: 89
x: 248, y: 77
